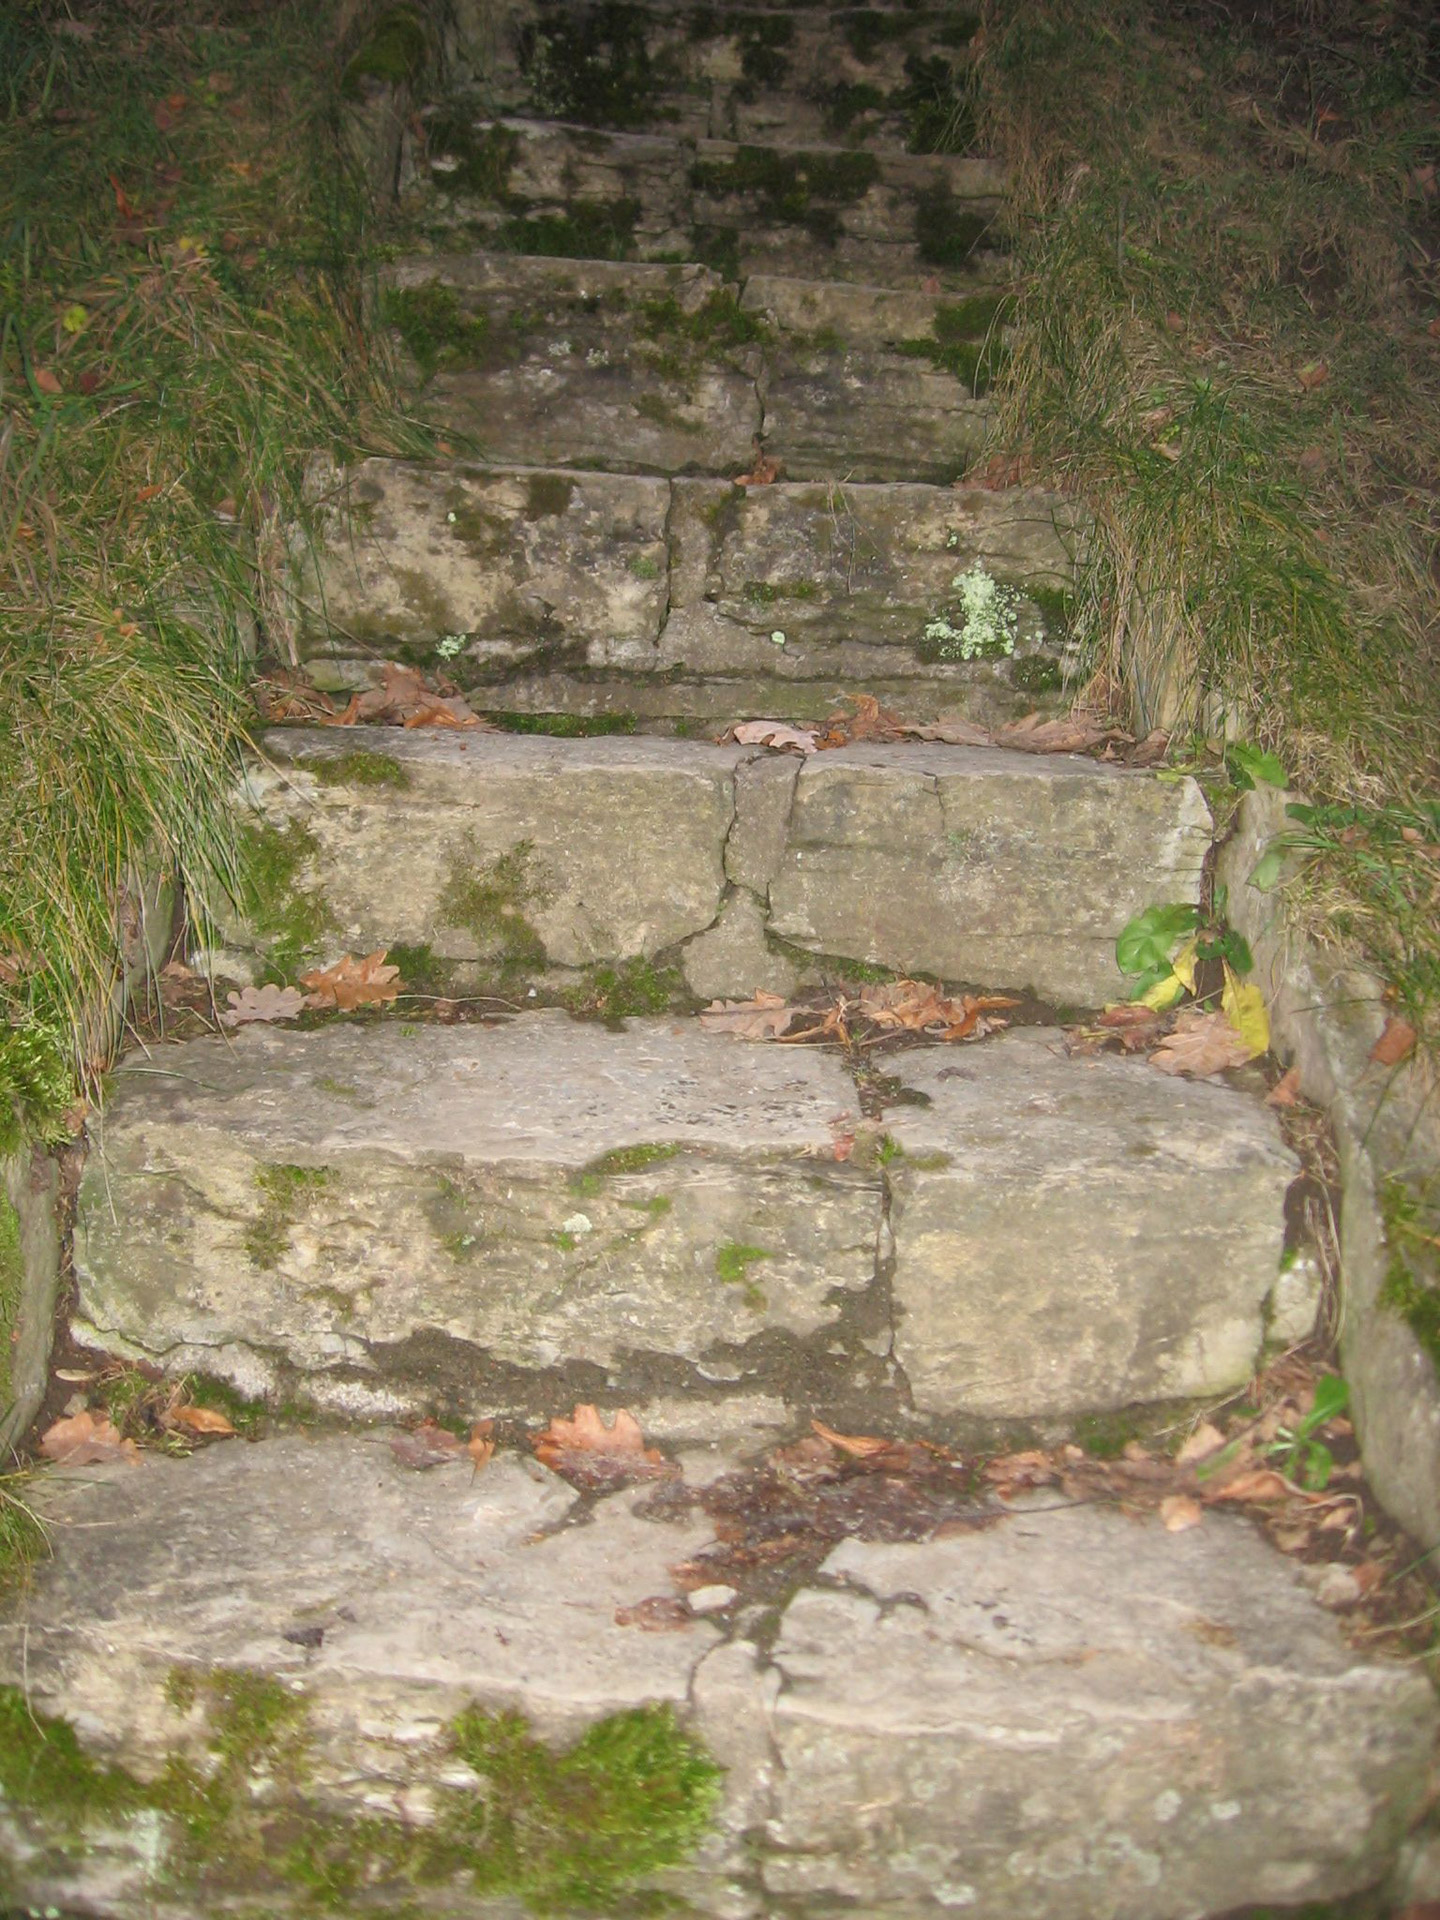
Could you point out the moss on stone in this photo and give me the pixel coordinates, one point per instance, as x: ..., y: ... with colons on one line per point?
x: 282, y: 1190
x: 564, y: 726
x: 547, y: 494
x: 576, y: 1828
x: 291, y: 919
x: 765, y: 593
x: 361, y: 768
x: 631, y: 1159
x: 1407, y: 1290
x: 485, y: 157
x: 868, y: 29
x: 733, y: 1262
x: 717, y: 247
x: 627, y: 990
x: 1037, y: 673
x: 591, y: 66
x: 394, y: 52
x: 489, y: 902
x: 435, y: 327
x: 796, y: 189
x: 588, y: 230
x: 947, y: 234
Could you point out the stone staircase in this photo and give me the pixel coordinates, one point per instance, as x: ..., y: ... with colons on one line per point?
x: 667, y: 248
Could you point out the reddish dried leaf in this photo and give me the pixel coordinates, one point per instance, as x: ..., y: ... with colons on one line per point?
x: 659, y: 1613
x: 46, y: 381
x: 777, y: 734
x: 1258, y: 1483
x: 1286, y: 1090
x: 859, y: 1445
x: 352, y: 983
x: 1395, y: 1044
x: 1178, y: 1511
x: 428, y: 1445
x: 765, y: 1017
x: 1205, y: 1440
x: 481, y: 1444
x: 764, y: 471
x: 83, y: 1440
x: 590, y: 1455
x: 1313, y: 374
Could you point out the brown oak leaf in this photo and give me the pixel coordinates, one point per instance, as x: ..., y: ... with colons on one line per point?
x: 352, y: 983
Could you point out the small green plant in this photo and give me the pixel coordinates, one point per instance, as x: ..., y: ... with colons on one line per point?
x: 1163, y: 947
x: 988, y: 619
x: 1296, y: 1452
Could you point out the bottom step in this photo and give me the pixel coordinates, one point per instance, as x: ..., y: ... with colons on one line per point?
x: 292, y: 1653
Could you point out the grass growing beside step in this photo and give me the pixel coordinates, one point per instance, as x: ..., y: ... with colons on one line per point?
x: 1226, y: 240
x: 180, y: 325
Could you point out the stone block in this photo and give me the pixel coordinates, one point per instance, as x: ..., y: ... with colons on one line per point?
x: 1076, y: 1234
x: 977, y: 865
x: 545, y: 1194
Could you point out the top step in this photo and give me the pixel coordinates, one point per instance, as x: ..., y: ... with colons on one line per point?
x: 856, y: 76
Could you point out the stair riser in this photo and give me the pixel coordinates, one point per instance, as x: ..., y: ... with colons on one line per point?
x: 503, y: 570
x: 515, y: 852
x: 660, y: 1212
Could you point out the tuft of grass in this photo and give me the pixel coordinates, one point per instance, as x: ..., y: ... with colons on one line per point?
x: 1221, y: 348
x: 181, y: 325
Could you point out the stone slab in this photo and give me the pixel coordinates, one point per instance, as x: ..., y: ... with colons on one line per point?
x: 290, y: 1207
x: 1066, y: 1712
x: 1092, y: 1233
x: 984, y: 866
x: 859, y: 315
x: 507, y: 849
x: 513, y: 566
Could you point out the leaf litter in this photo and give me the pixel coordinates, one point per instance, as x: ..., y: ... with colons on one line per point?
x: 867, y: 721
x: 889, y: 1010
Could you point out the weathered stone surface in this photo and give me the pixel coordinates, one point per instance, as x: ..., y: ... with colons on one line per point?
x: 1091, y: 1233
x: 764, y: 795
x: 513, y: 566
x: 870, y: 415
x: 316, y: 1202
x: 29, y: 1284
x: 510, y: 849
x: 859, y: 315
x: 1064, y: 1713
x: 735, y: 949
x: 984, y: 866
x: 1326, y: 1018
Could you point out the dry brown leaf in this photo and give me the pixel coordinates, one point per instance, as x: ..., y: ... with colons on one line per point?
x: 1179, y: 1511
x: 1017, y: 1472
x: 46, y: 381
x: 481, y: 1444
x: 1205, y: 1440
x: 428, y: 1445
x: 352, y: 983
x: 764, y: 470
x: 83, y: 1440
x: 590, y: 1455
x: 952, y: 733
x: 765, y: 1017
x: 199, y: 1420
x: 775, y: 733
x: 859, y: 1445
x: 287, y: 695
x: 1286, y: 1090
x: 263, y: 1003
x: 1034, y: 734
x: 406, y: 699
x: 1313, y: 374
x: 868, y: 721
x: 658, y: 1613
x: 1258, y: 1483
x: 1202, y: 1044
x: 1395, y: 1044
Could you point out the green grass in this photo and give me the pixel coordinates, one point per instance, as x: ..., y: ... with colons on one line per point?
x: 1223, y: 238
x: 180, y: 326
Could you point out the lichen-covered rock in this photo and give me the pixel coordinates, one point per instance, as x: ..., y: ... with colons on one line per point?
x: 1078, y: 1233
x: 298, y: 1653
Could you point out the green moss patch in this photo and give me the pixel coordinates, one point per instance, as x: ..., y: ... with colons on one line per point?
x: 361, y: 768
x: 628, y: 990
x: 485, y: 157
x: 489, y: 902
x: 588, y: 230
x: 283, y: 1190
x: 435, y: 328
x: 547, y: 494
x: 564, y: 726
x: 631, y: 1159
x: 792, y: 189
x: 592, y: 66
x: 395, y: 52
x: 947, y: 234
x: 291, y: 919
x: 733, y: 1262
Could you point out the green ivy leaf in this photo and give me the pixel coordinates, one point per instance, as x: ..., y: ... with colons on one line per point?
x: 1145, y: 943
x: 1267, y: 869
x: 1246, y: 765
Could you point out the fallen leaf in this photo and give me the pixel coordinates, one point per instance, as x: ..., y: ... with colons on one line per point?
x: 1035, y: 734
x: 1202, y: 1044
x: 1257, y: 1483
x: 46, y: 381
x: 352, y: 983
x: 123, y: 205
x: 859, y: 1445
x: 592, y: 1456
x: 1286, y: 1090
x: 1313, y: 374
x: 406, y: 699
x: 1179, y: 1511
x: 287, y: 695
x: 765, y: 1017
x: 199, y: 1420
x: 1205, y: 1440
x: 764, y: 470
x: 481, y: 1444
x: 263, y: 1003
x: 1395, y: 1044
x: 658, y: 1613
x: 775, y: 733
x: 427, y: 1445
x: 1018, y: 1472
x: 83, y: 1440
x: 1243, y: 1005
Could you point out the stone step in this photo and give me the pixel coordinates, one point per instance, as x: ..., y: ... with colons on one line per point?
x: 822, y: 213
x: 384, y: 1219
x: 490, y: 572
x: 852, y: 75
x: 1054, y: 1714
x: 510, y: 853
x: 662, y: 370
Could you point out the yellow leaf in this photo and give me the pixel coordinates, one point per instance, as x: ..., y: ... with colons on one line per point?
x: 1164, y: 994
x: 74, y: 318
x: 1244, y: 1006
x: 1184, y: 963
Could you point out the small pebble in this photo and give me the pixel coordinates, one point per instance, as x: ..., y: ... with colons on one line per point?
x: 711, y: 1599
